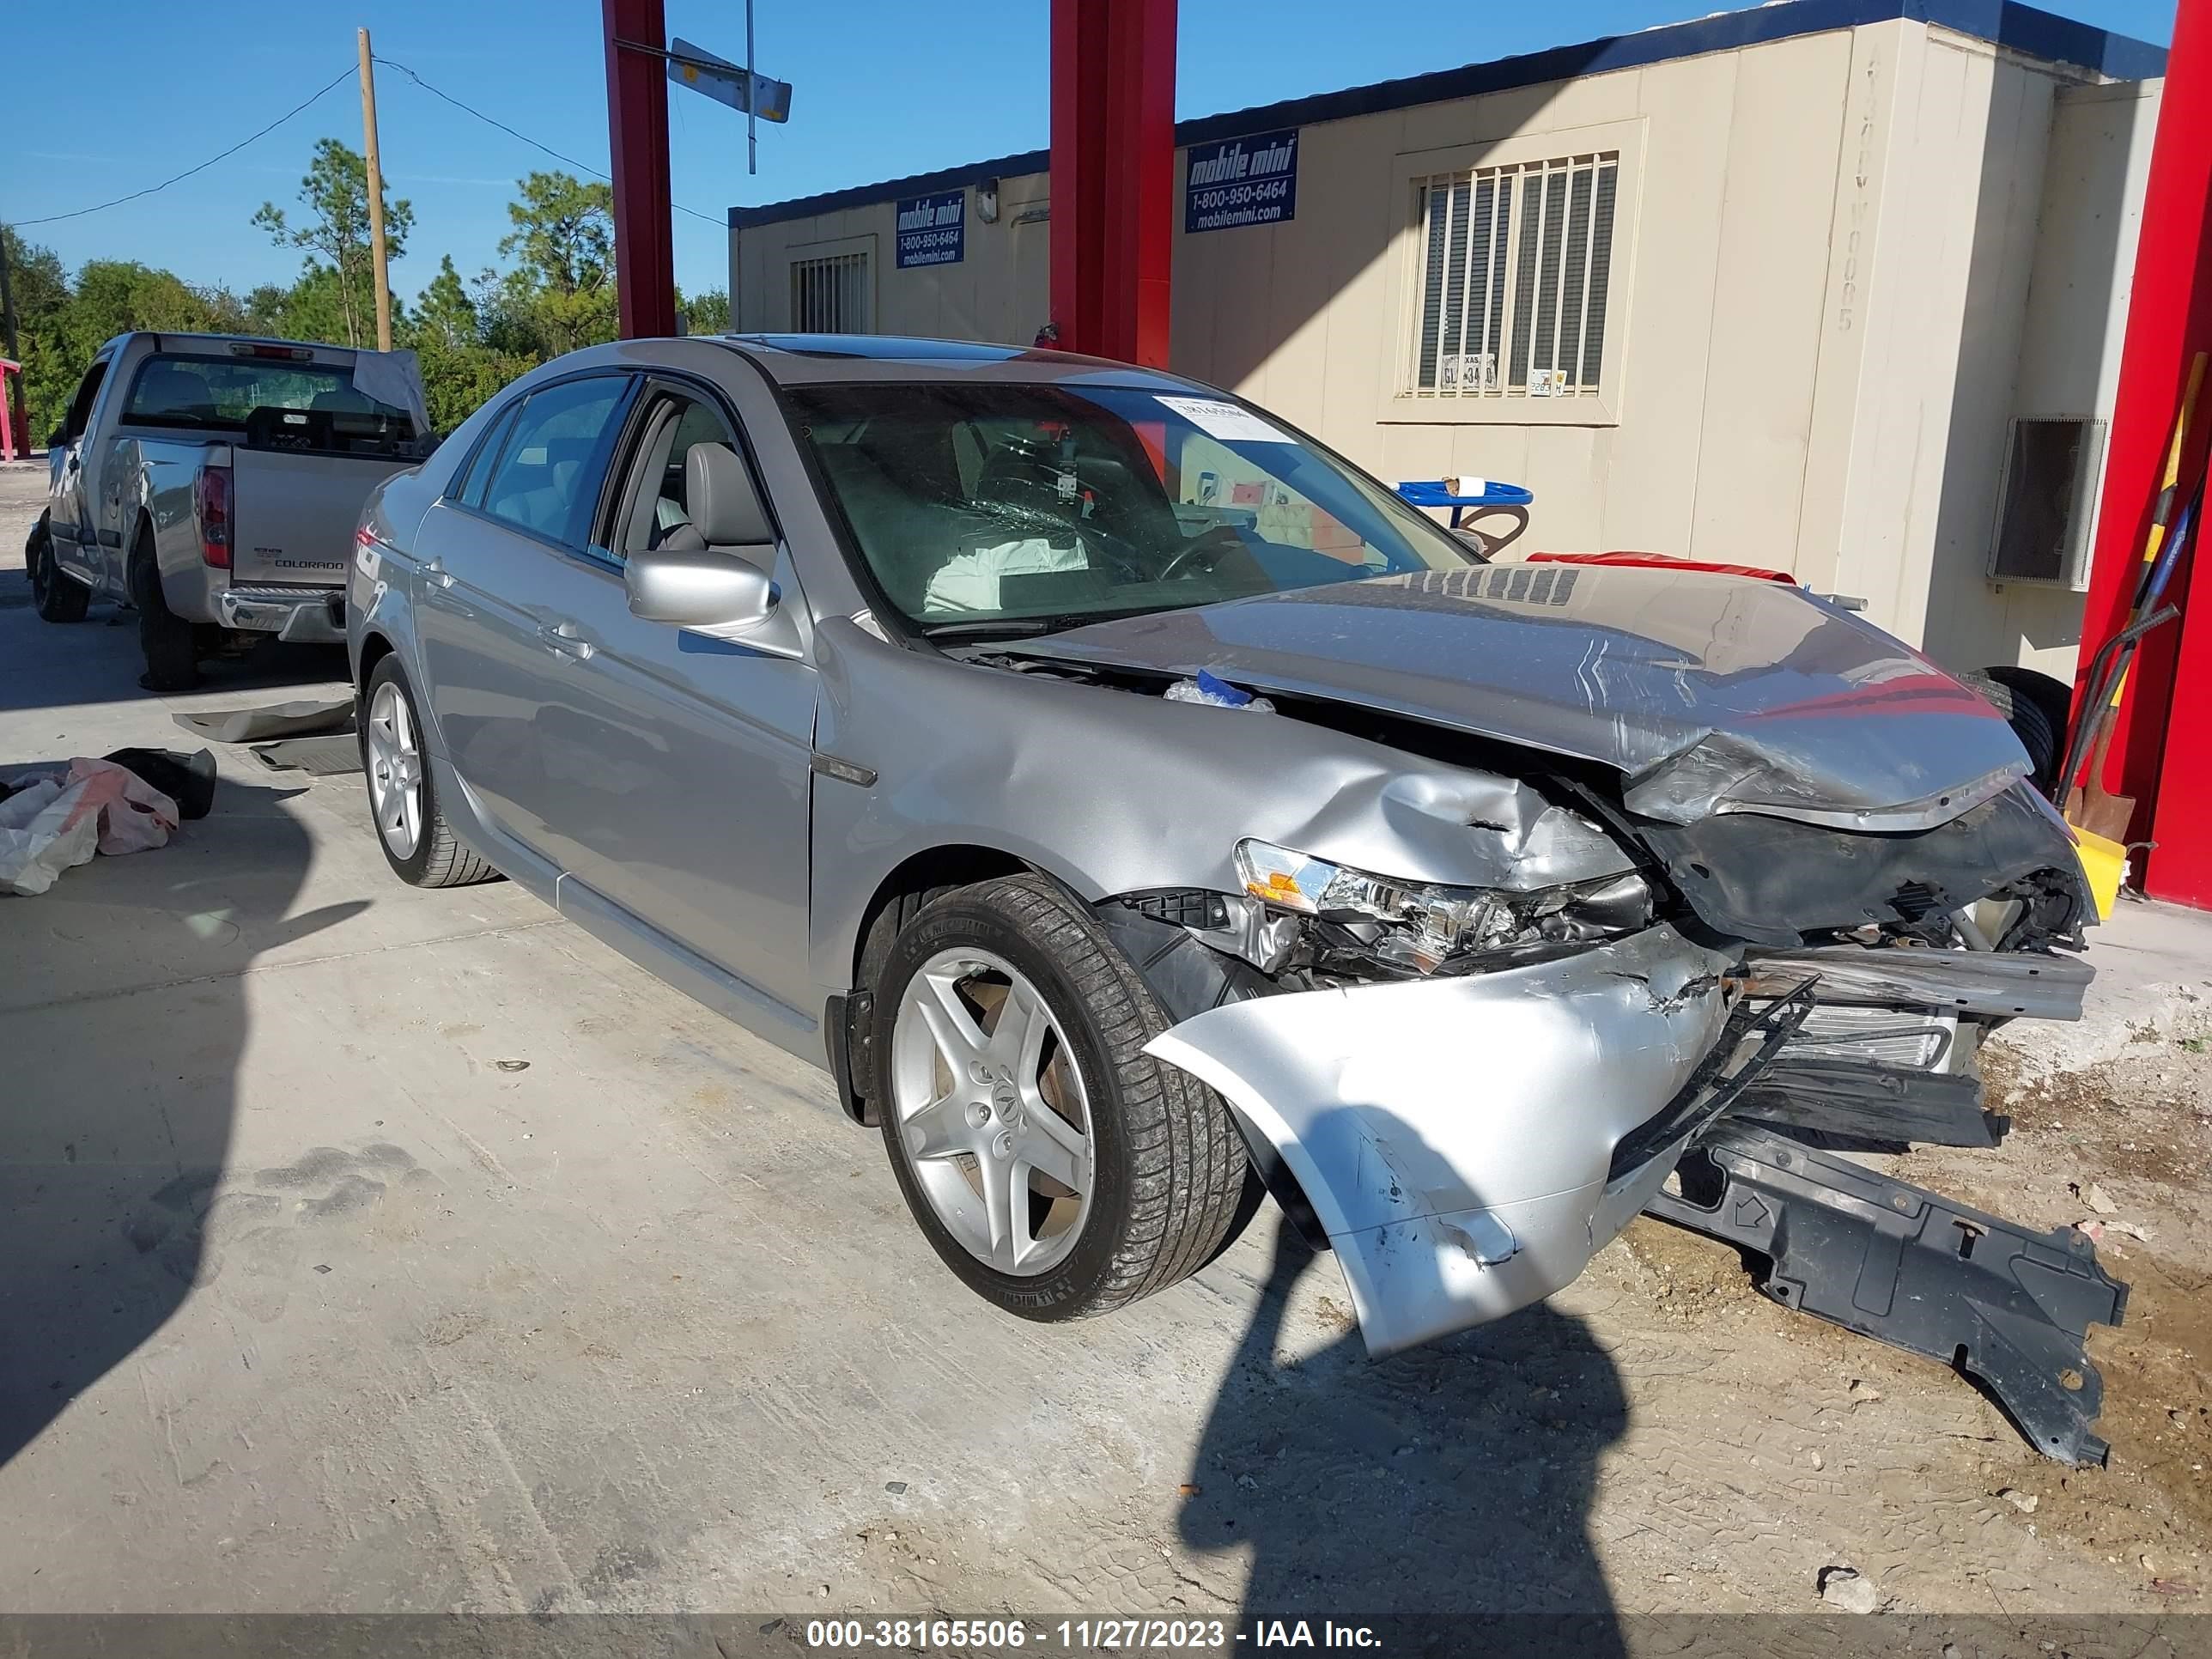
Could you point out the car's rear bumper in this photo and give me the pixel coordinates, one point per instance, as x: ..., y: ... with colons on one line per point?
x: 1469, y: 1144
x: 305, y: 615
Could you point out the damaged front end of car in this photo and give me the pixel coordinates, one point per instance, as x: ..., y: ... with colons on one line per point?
x: 1529, y: 890
x: 1465, y: 1091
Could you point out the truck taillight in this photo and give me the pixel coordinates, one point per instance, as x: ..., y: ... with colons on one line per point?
x: 211, y: 503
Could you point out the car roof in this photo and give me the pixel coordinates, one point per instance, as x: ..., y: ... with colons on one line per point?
x: 844, y: 359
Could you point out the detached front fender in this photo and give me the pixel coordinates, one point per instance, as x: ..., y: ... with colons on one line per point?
x: 1456, y: 1137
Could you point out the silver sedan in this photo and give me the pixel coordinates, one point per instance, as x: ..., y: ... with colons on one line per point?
x: 1139, y: 810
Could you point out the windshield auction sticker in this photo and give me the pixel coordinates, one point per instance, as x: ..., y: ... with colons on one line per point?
x: 1228, y: 422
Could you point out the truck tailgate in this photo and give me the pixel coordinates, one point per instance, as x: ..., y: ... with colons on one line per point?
x: 294, y: 515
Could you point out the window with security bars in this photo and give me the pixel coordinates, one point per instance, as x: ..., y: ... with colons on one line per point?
x: 829, y: 295
x: 1515, y: 276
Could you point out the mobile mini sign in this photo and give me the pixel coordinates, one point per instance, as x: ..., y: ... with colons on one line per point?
x: 1253, y: 181
x: 932, y: 229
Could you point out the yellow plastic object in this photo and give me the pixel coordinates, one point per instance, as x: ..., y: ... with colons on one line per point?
x: 2104, y: 862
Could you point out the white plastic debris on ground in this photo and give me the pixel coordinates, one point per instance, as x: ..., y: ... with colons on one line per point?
x: 58, y: 814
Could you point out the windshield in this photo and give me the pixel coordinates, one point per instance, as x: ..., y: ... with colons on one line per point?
x: 274, y: 404
x: 1014, y: 510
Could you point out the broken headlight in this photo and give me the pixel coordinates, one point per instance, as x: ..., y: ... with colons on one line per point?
x: 1423, y: 927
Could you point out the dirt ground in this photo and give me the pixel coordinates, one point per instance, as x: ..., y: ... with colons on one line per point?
x: 312, y: 1303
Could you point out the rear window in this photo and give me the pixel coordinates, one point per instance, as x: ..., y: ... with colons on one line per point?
x: 269, y: 404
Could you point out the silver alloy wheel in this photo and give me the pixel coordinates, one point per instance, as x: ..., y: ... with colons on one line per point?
x: 395, y: 771
x: 992, y: 1111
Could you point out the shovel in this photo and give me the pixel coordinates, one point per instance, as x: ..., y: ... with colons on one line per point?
x: 2092, y: 806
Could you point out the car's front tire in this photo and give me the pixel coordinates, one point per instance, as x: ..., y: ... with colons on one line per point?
x: 1053, y: 1165
x: 418, y: 842
x: 53, y: 595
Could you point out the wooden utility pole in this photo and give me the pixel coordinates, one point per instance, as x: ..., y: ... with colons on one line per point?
x: 376, y: 196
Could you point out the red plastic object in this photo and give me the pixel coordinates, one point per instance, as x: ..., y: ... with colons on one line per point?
x: 1665, y: 561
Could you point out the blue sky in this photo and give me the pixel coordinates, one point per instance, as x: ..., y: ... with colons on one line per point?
x: 882, y: 88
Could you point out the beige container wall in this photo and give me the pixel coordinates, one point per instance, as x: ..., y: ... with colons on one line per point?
x: 2005, y: 239
x: 2068, y: 362
x: 1001, y: 290
x: 1827, y: 262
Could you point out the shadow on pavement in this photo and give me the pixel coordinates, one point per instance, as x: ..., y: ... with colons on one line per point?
x: 123, y: 1023
x: 1455, y: 1479
x: 98, y: 659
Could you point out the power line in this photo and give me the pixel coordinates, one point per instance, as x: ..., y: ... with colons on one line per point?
x: 709, y: 218
x: 345, y: 74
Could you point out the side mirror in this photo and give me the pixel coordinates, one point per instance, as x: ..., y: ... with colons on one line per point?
x: 58, y: 437
x: 704, y: 588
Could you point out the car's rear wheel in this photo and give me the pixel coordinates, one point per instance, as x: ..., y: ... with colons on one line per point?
x: 418, y: 843
x: 168, y: 642
x: 53, y: 595
x: 1053, y: 1164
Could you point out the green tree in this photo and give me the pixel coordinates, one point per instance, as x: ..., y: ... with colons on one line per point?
x: 333, y: 231
x: 61, y: 320
x: 564, y: 231
x: 561, y: 294
x: 707, y: 312
x: 460, y: 369
x: 313, y: 308
x: 39, y: 295
x: 444, y: 313
x: 457, y: 379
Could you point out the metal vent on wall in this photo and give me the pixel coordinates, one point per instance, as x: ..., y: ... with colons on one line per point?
x: 2045, y: 500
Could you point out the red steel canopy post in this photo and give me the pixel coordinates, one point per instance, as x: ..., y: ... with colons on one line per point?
x: 2162, y: 749
x: 1113, y: 176
x: 637, y: 140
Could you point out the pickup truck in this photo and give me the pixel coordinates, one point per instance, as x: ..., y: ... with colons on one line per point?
x: 214, y: 483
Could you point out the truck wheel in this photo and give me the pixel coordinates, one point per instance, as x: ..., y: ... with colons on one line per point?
x: 1053, y: 1165
x: 55, y: 597
x: 166, y: 639
x: 418, y: 843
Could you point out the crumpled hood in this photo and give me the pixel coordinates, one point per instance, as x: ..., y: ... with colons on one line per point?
x: 1707, y: 692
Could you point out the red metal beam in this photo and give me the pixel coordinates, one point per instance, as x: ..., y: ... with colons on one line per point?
x: 2162, y: 752
x: 637, y: 139
x: 1113, y: 176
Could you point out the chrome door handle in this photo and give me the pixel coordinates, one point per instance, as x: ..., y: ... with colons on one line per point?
x: 565, y: 639
x: 434, y: 572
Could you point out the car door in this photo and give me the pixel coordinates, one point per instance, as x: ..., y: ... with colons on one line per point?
x: 491, y: 557
x: 70, y: 515
x: 675, y: 763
